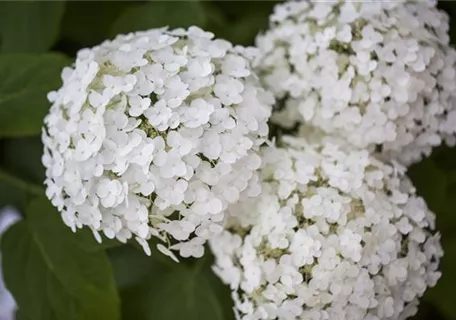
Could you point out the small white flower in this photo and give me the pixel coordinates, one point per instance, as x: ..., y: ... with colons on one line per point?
x: 228, y: 89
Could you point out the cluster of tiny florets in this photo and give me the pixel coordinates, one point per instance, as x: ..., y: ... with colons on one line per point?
x: 153, y: 134
x: 378, y: 73
x: 335, y: 234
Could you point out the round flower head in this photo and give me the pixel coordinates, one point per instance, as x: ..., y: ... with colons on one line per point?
x: 154, y: 134
x: 335, y: 234
x: 381, y: 74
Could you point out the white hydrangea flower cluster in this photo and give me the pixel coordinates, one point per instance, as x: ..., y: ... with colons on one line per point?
x: 154, y: 134
x: 378, y: 73
x: 335, y: 234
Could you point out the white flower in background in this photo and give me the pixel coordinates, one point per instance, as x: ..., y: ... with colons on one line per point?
x: 335, y: 234
x: 378, y: 73
x: 147, y: 134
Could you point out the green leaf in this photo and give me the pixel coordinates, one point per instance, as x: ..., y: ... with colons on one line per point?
x: 157, y: 14
x: 133, y: 302
x: 435, y: 180
x: 21, y: 171
x: 239, y: 21
x: 10, y: 195
x: 15, y: 191
x: 21, y: 315
x: 134, y: 272
x: 235, y: 10
x: 158, y: 289
x: 183, y: 294
x: 430, y: 182
x: 442, y: 296
x: 446, y: 216
x: 53, y: 274
x: 25, y: 80
x: 132, y: 266
x: 216, y: 20
x: 29, y: 26
x: 22, y: 156
x: 99, y: 16
x: 427, y: 311
x: 221, y: 290
x: 245, y: 31
x: 444, y: 157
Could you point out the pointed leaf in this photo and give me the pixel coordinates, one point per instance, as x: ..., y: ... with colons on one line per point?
x: 25, y: 80
x: 53, y: 274
x: 29, y: 26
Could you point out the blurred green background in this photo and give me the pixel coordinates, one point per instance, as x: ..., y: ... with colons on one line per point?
x: 81, y: 280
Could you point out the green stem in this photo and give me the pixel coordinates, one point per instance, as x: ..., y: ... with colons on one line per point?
x: 20, y: 183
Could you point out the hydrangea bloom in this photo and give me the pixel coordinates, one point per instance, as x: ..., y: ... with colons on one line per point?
x: 335, y: 234
x: 378, y: 73
x: 154, y: 134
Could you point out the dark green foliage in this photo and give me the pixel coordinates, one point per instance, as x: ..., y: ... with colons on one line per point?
x: 157, y: 14
x: 29, y: 26
x: 25, y: 80
x: 54, y: 273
